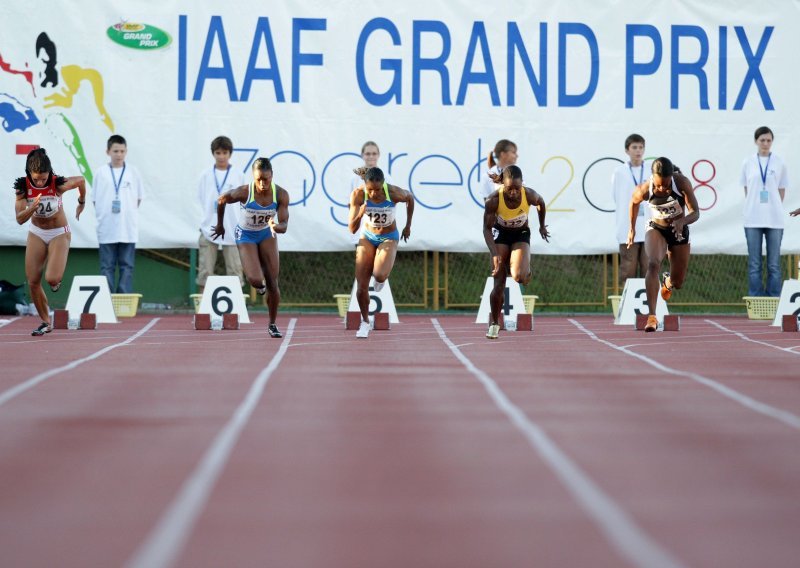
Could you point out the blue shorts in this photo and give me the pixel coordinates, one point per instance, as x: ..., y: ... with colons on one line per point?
x: 255, y: 237
x: 377, y: 240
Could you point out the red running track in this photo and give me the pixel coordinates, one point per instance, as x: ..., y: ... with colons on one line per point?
x: 147, y: 443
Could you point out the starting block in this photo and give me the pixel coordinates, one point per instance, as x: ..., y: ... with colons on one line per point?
x: 60, y: 319
x: 88, y: 321
x: 202, y: 321
x: 641, y: 321
x: 230, y: 321
x: 352, y: 320
x: 789, y: 322
x: 381, y: 321
x: 672, y: 323
x: 524, y: 322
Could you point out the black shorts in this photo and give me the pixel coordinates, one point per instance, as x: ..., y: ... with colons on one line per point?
x: 510, y: 236
x: 669, y: 235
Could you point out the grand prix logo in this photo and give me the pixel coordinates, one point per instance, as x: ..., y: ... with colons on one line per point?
x: 138, y: 36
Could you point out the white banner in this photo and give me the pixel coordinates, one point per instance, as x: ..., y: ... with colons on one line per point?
x: 434, y: 84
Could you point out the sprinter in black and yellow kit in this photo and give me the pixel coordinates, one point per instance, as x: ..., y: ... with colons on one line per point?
x: 508, y: 236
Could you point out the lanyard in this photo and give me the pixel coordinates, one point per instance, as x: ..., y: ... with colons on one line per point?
x: 220, y: 185
x: 641, y: 174
x: 117, y: 184
x: 764, y: 170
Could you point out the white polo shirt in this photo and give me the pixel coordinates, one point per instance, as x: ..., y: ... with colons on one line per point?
x: 212, y: 184
x: 623, y: 181
x: 122, y: 227
x: 764, y: 210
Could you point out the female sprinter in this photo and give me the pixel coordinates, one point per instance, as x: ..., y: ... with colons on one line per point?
x: 39, y: 199
x: 673, y: 207
x: 377, y: 246
x: 265, y: 213
x: 508, y: 236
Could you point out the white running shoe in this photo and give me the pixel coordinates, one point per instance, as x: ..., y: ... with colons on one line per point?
x: 378, y: 286
x: 493, y: 332
x: 363, y: 330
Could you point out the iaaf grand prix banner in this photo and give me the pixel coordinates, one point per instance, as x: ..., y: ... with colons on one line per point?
x: 436, y: 85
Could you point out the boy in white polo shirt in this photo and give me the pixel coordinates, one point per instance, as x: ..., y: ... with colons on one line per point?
x: 117, y: 194
x: 215, y: 181
x: 624, y: 180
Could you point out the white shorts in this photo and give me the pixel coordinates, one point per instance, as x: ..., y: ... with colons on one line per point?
x: 48, y: 235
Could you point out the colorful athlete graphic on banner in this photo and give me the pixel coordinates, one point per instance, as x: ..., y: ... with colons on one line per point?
x: 63, y: 85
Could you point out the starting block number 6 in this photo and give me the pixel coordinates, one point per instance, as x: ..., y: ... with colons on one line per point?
x: 223, y: 295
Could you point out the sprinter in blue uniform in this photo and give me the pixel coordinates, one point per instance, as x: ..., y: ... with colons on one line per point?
x: 264, y: 214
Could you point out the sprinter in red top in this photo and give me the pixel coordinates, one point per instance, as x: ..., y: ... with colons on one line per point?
x: 39, y: 200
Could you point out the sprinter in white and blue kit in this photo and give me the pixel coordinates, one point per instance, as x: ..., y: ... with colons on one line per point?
x: 374, y: 201
x: 264, y: 214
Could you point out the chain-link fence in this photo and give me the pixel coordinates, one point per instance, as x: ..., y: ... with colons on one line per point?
x: 455, y: 281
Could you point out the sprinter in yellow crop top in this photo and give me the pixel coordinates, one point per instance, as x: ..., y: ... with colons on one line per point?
x: 508, y: 236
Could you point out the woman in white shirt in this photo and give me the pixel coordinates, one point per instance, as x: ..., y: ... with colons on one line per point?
x: 764, y: 179
x: 504, y: 154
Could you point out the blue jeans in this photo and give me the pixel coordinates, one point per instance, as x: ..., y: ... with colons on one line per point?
x: 773, y: 237
x: 122, y: 255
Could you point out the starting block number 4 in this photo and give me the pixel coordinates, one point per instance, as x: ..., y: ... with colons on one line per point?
x: 513, y: 305
x: 223, y: 295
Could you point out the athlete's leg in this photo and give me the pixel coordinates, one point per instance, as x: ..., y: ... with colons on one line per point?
x: 656, y: 247
x: 365, y: 261
x: 384, y: 260
x: 497, y: 296
x: 271, y: 265
x: 57, y: 252
x: 248, y: 253
x: 35, y: 256
x: 521, y: 262
x: 678, y: 264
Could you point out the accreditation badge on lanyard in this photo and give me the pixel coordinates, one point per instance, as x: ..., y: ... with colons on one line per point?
x: 764, y: 194
x: 116, y: 205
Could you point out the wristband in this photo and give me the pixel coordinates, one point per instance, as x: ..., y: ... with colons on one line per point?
x: 81, y: 202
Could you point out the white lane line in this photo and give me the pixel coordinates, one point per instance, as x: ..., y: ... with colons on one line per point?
x: 165, y: 542
x: 783, y: 416
x: 41, y: 377
x: 621, y: 531
x: 746, y: 338
x: 5, y: 322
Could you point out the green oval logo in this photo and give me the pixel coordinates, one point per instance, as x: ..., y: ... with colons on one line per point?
x: 138, y: 36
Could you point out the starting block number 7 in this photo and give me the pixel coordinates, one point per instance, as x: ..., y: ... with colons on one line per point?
x: 91, y: 295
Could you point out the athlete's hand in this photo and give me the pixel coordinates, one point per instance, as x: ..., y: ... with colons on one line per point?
x: 79, y: 210
x: 677, y: 228
x: 496, y: 263
x: 631, y: 235
x: 406, y: 233
x: 544, y: 233
x: 496, y: 178
x: 218, y: 231
x: 795, y: 213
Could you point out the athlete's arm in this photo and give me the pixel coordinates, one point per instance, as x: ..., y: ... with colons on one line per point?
x: 25, y: 211
x: 640, y: 193
x: 537, y: 201
x: 357, y: 207
x: 238, y: 194
x: 692, y: 208
x: 283, y: 211
x: 72, y: 183
x: 403, y: 196
x: 489, y: 218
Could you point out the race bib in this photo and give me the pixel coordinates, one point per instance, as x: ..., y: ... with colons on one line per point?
x: 380, y: 216
x: 48, y: 206
x: 257, y: 219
